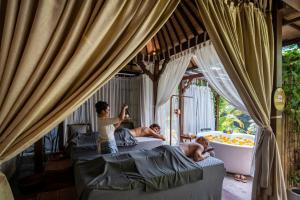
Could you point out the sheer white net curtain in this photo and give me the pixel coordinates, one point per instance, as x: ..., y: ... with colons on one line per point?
x: 214, y: 72
x: 167, y: 86
x: 146, y: 98
x: 199, y: 112
x: 116, y: 92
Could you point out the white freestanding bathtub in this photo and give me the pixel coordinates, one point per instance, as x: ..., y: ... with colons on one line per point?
x: 237, y: 158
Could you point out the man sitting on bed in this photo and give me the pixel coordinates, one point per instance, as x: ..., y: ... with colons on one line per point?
x: 198, y: 150
x: 153, y: 131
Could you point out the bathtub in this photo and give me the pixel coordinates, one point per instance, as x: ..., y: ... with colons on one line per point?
x: 237, y: 158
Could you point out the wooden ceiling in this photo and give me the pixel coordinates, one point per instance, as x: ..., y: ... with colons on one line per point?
x: 184, y: 29
x: 291, y: 21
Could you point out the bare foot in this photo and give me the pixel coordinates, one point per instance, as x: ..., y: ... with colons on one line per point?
x: 237, y: 177
x: 243, y: 179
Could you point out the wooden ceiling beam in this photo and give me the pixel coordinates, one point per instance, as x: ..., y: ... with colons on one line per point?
x: 196, y: 71
x: 156, y: 47
x: 194, y: 11
x: 187, y: 20
x: 145, y: 70
x: 165, y: 40
x: 161, y: 44
x: 174, y: 29
x: 169, y: 35
x: 180, y: 26
x: 163, y: 68
x: 287, y: 22
x: 200, y: 75
x: 295, y: 26
x: 293, y: 3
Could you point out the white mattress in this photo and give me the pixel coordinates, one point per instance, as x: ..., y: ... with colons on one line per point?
x: 143, y: 143
x: 90, y: 152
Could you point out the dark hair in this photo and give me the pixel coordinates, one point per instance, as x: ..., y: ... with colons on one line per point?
x: 101, y: 105
x: 154, y: 125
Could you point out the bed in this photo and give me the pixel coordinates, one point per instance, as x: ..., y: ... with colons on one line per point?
x: 84, y: 145
x: 209, y: 188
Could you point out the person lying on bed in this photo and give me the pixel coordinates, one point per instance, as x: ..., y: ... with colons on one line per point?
x: 153, y: 131
x: 198, y: 150
x: 205, y: 143
x: 107, y: 126
x: 194, y: 151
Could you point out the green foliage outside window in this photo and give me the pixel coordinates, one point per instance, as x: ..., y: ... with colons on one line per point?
x: 232, y: 119
x: 291, y: 81
x: 291, y: 86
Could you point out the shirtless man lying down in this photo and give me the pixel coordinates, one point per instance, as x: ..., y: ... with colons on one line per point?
x: 196, y: 150
x: 153, y: 131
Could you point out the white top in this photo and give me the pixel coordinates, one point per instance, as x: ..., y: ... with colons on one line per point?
x: 106, y: 128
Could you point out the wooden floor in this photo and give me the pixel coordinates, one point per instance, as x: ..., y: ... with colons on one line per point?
x: 57, y: 183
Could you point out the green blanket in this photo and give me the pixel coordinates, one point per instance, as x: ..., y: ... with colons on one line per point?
x: 157, y: 169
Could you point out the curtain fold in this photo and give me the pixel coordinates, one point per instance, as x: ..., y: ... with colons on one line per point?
x: 242, y: 35
x: 56, y: 54
x: 213, y: 70
x: 168, y: 83
x: 5, y: 191
x: 199, y: 111
x: 146, y: 101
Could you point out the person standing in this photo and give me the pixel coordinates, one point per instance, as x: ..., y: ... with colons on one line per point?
x: 106, y: 127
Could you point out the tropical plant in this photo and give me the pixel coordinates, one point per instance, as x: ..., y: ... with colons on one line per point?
x: 291, y: 81
x: 296, y: 178
x: 234, y: 120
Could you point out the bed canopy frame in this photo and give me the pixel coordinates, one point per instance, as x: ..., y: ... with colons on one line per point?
x: 185, y: 29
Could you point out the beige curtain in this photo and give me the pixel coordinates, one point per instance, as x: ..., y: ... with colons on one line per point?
x: 242, y: 34
x: 5, y: 191
x: 56, y: 54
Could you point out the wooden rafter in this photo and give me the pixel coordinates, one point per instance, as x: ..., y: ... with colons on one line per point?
x: 193, y: 10
x: 161, y: 43
x: 167, y: 38
x: 163, y: 68
x: 193, y: 76
x: 145, y: 70
x: 187, y: 20
x: 287, y: 22
x: 295, y: 26
x: 169, y: 35
x: 174, y: 29
x: 164, y: 40
x: 180, y: 26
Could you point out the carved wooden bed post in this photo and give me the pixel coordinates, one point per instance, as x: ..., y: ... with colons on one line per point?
x: 154, y: 76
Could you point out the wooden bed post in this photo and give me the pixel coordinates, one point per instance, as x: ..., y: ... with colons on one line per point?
x: 39, y: 156
x: 276, y: 116
x: 181, y: 108
x: 60, y: 133
x: 154, y: 76
x: 155, y: 84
